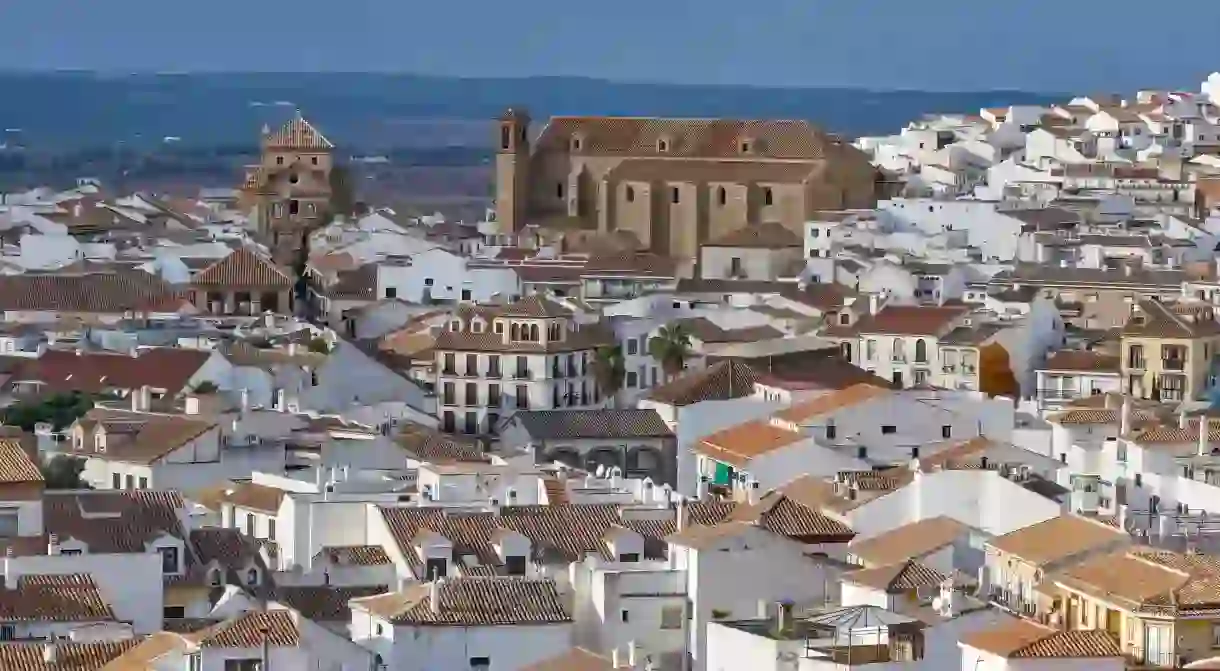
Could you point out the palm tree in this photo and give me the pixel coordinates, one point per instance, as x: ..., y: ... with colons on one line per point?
x: 671, y: 346
x: 609, y: 370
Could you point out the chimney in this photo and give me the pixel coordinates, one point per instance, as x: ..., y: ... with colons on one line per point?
x: 434, y: 596
x: 53, y: 545
x: 140, y: 399
x: 874, y: 304
x: 632, y: 651
x: 1181, y: 420
x: 245, y: 400
x: 1124, y: 417
x: 680, y: 515
x: 701, y: 488
x: 50, y: 652
x: 1204, y: 436
x: 614, y: 659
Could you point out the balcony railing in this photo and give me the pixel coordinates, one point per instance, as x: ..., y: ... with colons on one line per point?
x: 1175, y: 363
x: 1013, y: 601
x: 1152, y: 658
x: 521, y: 374
x: 1058, y: 394
x: 1136, y: 363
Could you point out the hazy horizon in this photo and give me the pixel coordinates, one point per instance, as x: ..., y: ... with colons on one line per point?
x: 938, y: 45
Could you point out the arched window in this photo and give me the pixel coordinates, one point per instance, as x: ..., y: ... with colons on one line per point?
x: 722, y: 196
x: 768, y: 196
x: 921, y: 351
x: 514, y: 332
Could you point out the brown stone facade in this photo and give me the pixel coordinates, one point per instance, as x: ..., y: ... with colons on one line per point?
x: 289, y: 190
x: 672, y: 183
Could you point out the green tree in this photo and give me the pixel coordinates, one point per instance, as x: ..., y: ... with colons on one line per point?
x: 319, y: 345
x: 609, y: 370
x: 63, y: 472
x: 671, y: 346
x: 342, y: 195
x: 59, y: 410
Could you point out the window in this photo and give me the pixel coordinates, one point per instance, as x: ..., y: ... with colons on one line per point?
x: 130, y: 481
x: 173, y: 612
x: 466, y: 295
x: 844, y: 319
x: 946, y: 431
x: 633, y: 346
x: 887, y: 429
x: 428, y: 281
x: 629, y: 557
x: 514, y: 565
x: 662, y: 145
x: 116, y: 481
x: 921, y: 351
x: 862, y: 452
x: 559, y: 190
x: 914, y: 452
x: 722, y: 196
x: 625, y: 615
x: 435, y: 568
x: 249, y: 524
x: 1139, y: 480
x: 1216, y: 635
x: 675, y: 196
x: 671, y: 617
x: 243, y: 665
x: 294, y: 207
x: 169, y: 560
x: 252, y: 577
x: 74, y: 552
x: 313, y: 160
x: 279, y: 160
x: 480, y: 664
x: 270, y: 529
x: 391, y: 292
x: 630, y: 194
x: 631, y: 380
x: 831, y: 431
x: 506, y: 137
x: 768, y: 196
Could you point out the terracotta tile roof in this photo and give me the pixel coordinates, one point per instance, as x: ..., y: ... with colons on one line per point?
x: 356, y: 555
x: 629, y: 264
x: 611, y: 423
x: 1081, y: 361
x: 897, y: 578
x: 856, y: 489
x: 577, y: 337
x: 356, y: 284
x: 249, y: 630
x: 738, y: 445
x: 1026, y: 639
x: 1167, y: 434
x: 718, y: 382
x: 1059, y: 538
x: 162, y: 368
x: 1084, y: 416
x: 1153, y: 319
x: 702, y: 138
x: 706, y: 536
x: 1148, y: 580
x: 107, y: 293
x: 323, y: 603
x: 694, y: 171
x: 430, y: 445
x: 535, y: 305
x: 139, y: 437
x: 243, y: 268
x: 115, y: 521
x: 69, y: 656
x: 831, y: 402
x: 248, y: 495
x: 472, y: 602
x: 297, y: 134
x: 909, y: 541
x: 16, y: 465
x: 915, y: 320
x: 54, y: 598
x: 229, y: 548
x: 707, y: 331
x: 557, y: 533
x: 576, y: 659
x: 767, y: 235
x: 788, y: 516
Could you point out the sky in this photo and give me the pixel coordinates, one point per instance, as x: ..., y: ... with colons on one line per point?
x: 1039, y: 45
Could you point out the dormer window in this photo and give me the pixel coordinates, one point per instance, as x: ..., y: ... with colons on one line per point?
x: 252, y: 577
x: 476, y: 326
x: 455, y: 325
x: 214, y: 577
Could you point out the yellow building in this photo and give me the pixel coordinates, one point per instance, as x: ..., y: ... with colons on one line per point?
x: 1167, y: 350
x: 1162, y: 606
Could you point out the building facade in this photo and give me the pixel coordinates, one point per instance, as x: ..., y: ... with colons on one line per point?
x: 289, y: 189
x: 672, y: 183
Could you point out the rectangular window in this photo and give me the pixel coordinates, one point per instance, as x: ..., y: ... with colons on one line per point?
x: 946, y: 431
x: 625, y: 616
x: 130, y: 481
x: 250, y: 524
x: 116, y: 481
x: 173, y: 612
x: 271, y: 529
x: 514, y: 565
x: 480, y: 664
x: 675, y: 195
x: 391, y: 292
x: 629, y: 557
x: 832, y: 431
x: 143, y: 483
x: 671, y: 617
x: 631, y: 380
x: 169, y: 560
x: 887, y: 429
x: 633, y: 346
x: 435, y: 568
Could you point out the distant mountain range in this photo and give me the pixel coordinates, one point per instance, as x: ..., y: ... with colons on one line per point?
x: 370, y: 113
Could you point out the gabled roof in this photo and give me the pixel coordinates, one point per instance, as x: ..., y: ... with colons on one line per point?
x: 278, y: 628
x: 54, y: 598
x: 140, y: 437
x: 690, y: 138
x: 243, y: 268
x: 536, y: 306
x: 167, y: 368
x: 113, y: 521
x: 767, y: 235
x: 471, y: 602
x: 1154, y: 319
x: 1026, y: 639
x: 16, y: 467
x: 718, y: 382
x: 897, y: 578
x: 913, y: 320
x: 297, y: 134
x: 104, y: 292
x: 69, y: 656
x: 1058, y: 538
x: 576, y: 424
x: 909, y: 541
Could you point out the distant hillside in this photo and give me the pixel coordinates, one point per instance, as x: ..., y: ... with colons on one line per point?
x: 374, y: 112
